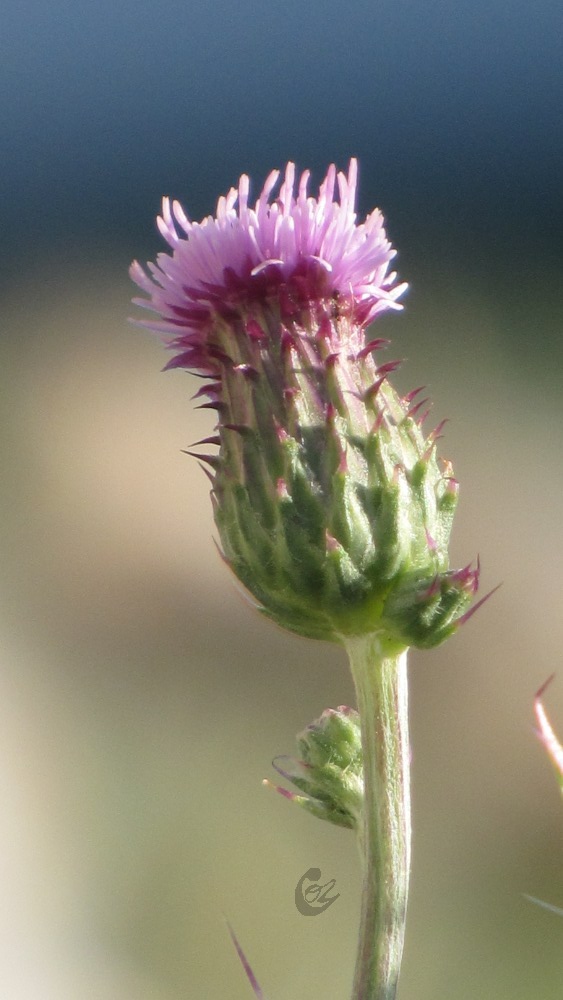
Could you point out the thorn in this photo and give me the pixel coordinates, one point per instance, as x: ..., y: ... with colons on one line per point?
x: 388, y: 368
x: 382, y: 372
x: 371, y: 393
x: 410, y: 396
x: 245, y: 964
x: 541, y: 691
x: 469, y: 614
x: 214, y: 439
x: 421, y: 419
x: 432, y: 439
x: 374, y: 345
x: 222, y: 555
x: 206, y: 390
x: 213, y: 460
x: 294, y: 761
x: 280, y: 790
x: 209, y: 474
x: 437, y: 432
x: 467, y: 577
x: 544, y: 906
x: 211, y: 405
x: 417, y: 407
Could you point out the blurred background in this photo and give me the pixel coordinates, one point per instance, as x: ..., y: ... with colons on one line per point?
x: 141, y: 700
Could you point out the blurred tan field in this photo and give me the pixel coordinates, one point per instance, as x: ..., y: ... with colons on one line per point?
x: 142, y: 699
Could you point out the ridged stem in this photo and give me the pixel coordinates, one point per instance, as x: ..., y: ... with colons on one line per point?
x: 380, y: 678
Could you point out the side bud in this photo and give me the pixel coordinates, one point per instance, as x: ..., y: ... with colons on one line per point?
x: 329, y: 773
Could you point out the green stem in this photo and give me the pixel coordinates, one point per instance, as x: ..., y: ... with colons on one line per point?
x: 380, y: 678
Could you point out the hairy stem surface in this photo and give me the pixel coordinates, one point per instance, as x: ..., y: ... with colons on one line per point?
x: 380, y: 678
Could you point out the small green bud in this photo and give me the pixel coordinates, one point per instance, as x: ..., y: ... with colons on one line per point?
x: 329, y: 772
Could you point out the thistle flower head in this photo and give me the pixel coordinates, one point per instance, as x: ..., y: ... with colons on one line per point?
x: 291, y: 251
x: 330, y: 503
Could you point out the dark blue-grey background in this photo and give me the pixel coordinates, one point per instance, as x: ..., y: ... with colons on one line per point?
x: 454, y: 109
x: 141, y: 701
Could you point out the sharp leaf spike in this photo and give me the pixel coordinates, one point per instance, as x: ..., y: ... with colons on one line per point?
x: 469, y: 614
x: 246, y: 966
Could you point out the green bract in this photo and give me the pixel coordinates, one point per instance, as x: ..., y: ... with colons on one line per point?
x: 330, y: 503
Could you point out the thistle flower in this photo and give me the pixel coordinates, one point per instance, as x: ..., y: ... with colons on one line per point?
x: 281, y: 258
x: 330, y: 503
